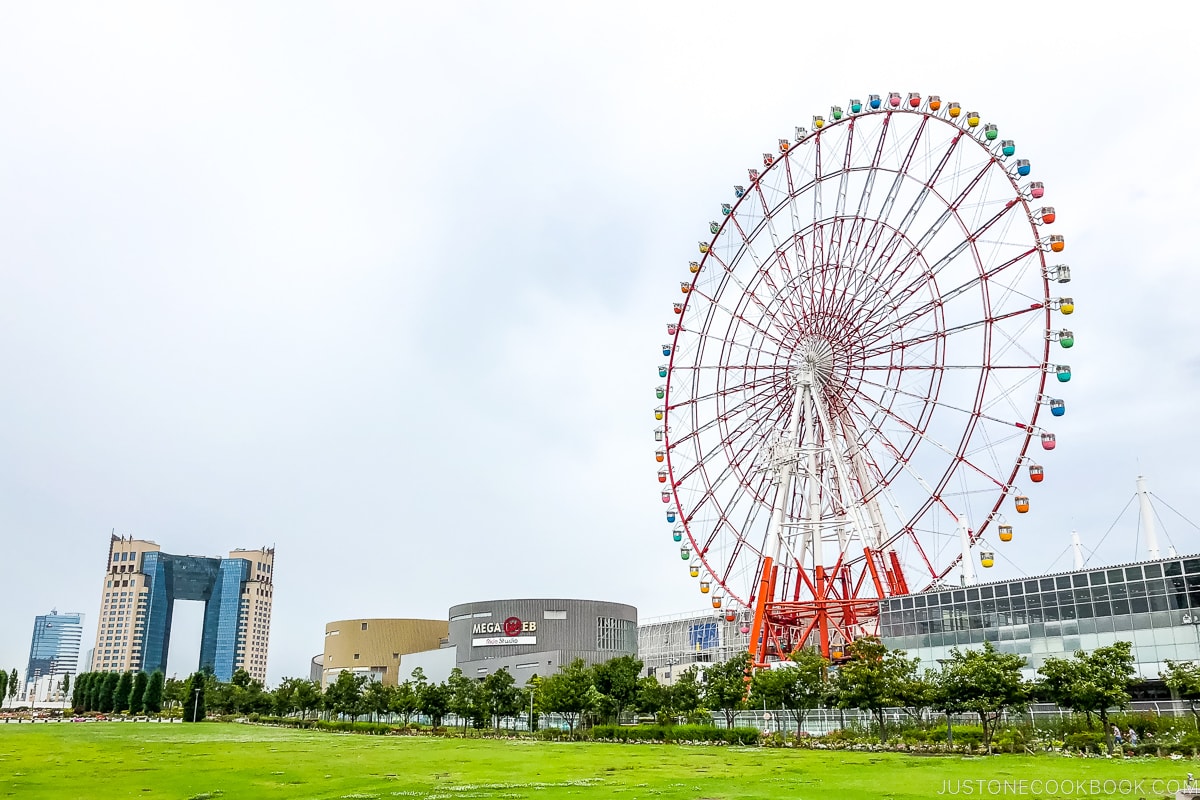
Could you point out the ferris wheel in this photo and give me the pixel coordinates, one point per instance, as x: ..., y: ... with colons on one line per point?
x: 857, y: 368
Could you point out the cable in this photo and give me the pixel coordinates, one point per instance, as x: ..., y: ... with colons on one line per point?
x: 1110, y: 528
x: 1181, y: 516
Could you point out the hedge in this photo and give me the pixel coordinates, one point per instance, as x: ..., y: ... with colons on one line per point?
x: 676, y: 733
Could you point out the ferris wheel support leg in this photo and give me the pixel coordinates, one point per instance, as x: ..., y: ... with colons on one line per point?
x: 758, y: 633
x: 968, y: 566
x: 822, y: 612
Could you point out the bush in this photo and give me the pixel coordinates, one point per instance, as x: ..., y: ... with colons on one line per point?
x: 676, y: 733
x: 969, y: 736
x: 1086, y: 742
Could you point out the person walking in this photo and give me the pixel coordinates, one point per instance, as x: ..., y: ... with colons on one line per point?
x: 1116, y: 734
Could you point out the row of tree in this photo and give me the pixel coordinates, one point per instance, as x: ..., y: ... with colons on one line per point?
x: 118, y: 692
x: 873, y: 678
x: 8, y: 684
x: 984, y: 682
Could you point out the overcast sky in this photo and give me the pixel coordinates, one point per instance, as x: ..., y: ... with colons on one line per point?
x: 383, y: 285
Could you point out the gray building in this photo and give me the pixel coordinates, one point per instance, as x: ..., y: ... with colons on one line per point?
x: 1153, y: 604
x: 537, y: 636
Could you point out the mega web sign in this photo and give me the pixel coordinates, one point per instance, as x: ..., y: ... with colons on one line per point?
x: 512, y: 631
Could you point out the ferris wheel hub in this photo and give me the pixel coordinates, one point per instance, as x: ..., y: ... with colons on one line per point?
x: 816, y: 361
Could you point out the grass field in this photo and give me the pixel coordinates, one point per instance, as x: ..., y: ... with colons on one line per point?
x: 98, y: 761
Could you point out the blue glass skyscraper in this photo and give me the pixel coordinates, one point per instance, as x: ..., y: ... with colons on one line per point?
x: 55, y: 646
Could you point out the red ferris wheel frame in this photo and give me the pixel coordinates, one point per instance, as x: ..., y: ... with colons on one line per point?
x: 869, y: 307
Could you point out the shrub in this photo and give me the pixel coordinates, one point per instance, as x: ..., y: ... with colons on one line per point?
x: 1086, y: 742
x: 968, y: 736
x: 676, y: 733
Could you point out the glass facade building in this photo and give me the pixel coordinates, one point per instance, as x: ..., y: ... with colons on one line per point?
x: 1153, y: 604
x: 54, y: 649
x: 141, y: 586
x: 217, y: 582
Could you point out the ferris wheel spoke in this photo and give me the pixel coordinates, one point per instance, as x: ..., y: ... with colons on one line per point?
x: 746, y: 295
x: 943, y: 299
x: 938, y: 403
x: 901, y: 172
x: 910, y: 291
x: 715, y: 484
x: 726, y: 391
x: 752, y: 403
x: 926, y: 190
x: 747, y: 242
x: 924, y: 436
x: 922, y: 243
x: 892, y: 345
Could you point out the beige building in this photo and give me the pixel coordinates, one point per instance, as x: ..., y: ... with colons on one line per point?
x: 374, y: 647
x: 141, y: 585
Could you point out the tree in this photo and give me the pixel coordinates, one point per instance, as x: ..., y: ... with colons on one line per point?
x: 796, y: 686
x: 344, y: 695
x: 404, y: 702
x: 194, y: 708
x: 137, y: 695
x: 283, y: 699
x: 985, y: 682
x: 617, y: 680
x: 173, y: 692
x: 917, y: 694
x: 945, y: 696
x: 873, y: 678
x: 87, y: 695
x: 108, y: 692
x: 434, y: 701
x: 651, y: 696
x: 152, y: 698
x: 686, y: 695
x: 464, y: 696
x: 566, y: 692
x: 1183, y: 678
x: 3, y: 686
x: 1092, y: 683
x: 308, y: 697
x: 532, y: 699
x: 77, y: 692
x: 12, y: 685
x: 120, y: 702
x: 64, y: 685
x: 376, y: 699
x: 501, y: 695
x: 725, y: 685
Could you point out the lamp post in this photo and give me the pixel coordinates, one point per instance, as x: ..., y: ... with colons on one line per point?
x: 195, y: 703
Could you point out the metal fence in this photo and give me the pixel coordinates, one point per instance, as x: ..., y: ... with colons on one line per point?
x: 820, y: 721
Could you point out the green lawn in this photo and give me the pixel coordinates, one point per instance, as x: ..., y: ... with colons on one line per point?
x: 115, y: 760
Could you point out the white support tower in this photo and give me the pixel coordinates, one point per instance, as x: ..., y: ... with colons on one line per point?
x: 1077, y: 548
x: 1147, y: 514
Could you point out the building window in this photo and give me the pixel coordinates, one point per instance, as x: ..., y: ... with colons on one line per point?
x: 616, y: 634
x: 364, y: 626
x: 554, y: 614
x: 356, y: 656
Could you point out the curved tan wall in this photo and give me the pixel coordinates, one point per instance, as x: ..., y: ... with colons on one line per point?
x: 375, y: 645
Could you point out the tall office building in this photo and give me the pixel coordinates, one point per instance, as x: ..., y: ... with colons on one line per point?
x: 141, y: 585
x: 54, y: 650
